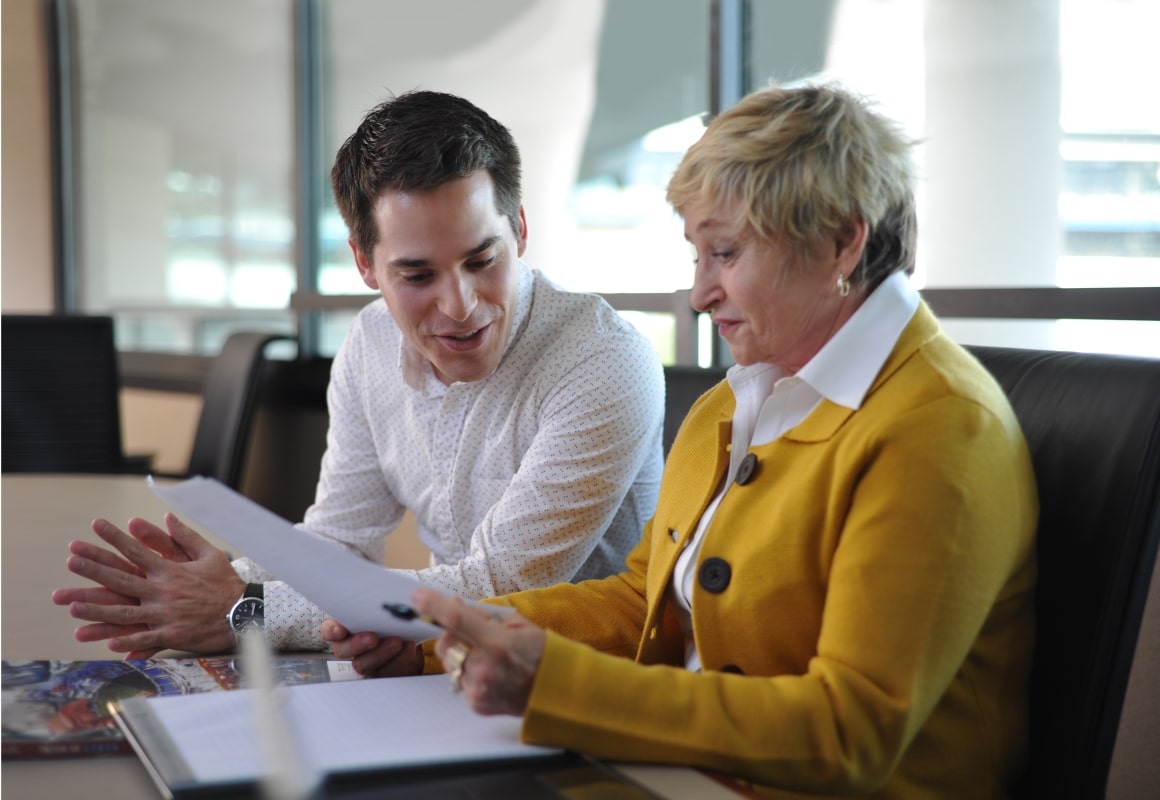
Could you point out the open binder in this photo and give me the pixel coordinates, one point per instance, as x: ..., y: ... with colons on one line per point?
x: 210, y: 745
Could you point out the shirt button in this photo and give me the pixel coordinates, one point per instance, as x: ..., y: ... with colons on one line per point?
x: 715, y: 574
x: 747, y: 469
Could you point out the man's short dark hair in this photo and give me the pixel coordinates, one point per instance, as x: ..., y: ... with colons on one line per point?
x: 418, y: 141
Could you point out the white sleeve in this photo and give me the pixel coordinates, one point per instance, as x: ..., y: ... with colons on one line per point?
x: 353, y: 506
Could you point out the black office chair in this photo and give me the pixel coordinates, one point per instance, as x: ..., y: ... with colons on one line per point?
x: 683, y: 385
x: 1092, y: 423
x: 61, y: 402
x: 229, y: 402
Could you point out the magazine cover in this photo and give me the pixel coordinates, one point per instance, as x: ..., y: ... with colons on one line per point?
x: 60, y: 708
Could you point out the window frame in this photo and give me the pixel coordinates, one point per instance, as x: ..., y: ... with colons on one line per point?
x: 729, y: 31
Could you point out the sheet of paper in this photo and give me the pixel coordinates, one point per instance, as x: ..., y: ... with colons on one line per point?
x: 350, y: 726
x: 346, y: 587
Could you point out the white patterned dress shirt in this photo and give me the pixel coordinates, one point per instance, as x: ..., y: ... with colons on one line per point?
x: 544, y: 472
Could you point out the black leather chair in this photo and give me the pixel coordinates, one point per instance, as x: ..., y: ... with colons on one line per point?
x: 683, y: 385
x: 1092, y: 424
x: 229, y: 402
x: 61, y: 402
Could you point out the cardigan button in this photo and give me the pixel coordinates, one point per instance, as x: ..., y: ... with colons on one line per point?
x: 747, y: 470
x: 732, y: 669
x: 715, y: 574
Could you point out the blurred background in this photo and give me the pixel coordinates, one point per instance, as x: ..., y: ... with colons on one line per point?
x: 166, y: 161
x: 194, y: 191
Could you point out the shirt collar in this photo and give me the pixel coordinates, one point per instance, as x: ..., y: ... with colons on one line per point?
x: 844, y: 368
x: 847, y: 364
x: 417, y: 371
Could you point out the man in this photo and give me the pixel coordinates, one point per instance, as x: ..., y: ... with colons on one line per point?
x: 520, y: 424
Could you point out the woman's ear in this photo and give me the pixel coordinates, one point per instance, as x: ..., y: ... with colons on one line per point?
x: 849, y: 244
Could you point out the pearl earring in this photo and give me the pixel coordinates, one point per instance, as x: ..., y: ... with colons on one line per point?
x: 843, y: 285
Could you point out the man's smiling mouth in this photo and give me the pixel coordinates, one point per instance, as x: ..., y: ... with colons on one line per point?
x: 463, y: 337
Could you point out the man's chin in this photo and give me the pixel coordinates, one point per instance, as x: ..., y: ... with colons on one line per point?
x: 464, y: 370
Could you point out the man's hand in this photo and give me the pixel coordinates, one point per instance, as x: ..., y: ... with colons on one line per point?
x: 371, y: 656
x: 503, y: 652
x: 164, y: 591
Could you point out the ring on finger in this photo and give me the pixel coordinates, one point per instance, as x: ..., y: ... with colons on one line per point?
x: 456, y: 655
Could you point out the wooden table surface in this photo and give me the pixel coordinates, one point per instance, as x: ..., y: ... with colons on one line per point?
x: 39, y: 516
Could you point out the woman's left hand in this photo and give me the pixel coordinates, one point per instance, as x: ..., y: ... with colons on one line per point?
x: 496, y: 655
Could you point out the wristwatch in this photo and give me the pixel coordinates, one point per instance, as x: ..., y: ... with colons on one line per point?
x: 249, y: 612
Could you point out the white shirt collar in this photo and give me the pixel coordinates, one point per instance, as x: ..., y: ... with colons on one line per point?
x: 844, y: 368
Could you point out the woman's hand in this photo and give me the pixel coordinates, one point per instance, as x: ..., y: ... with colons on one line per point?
x: 503, y: 652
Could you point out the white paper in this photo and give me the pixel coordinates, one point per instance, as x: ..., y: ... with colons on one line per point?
x: 356, y: 725
x: 346, y: 587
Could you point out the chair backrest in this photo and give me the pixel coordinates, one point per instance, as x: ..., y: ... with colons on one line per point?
x: 683, y: 385
x: 60, y: 387
x: 229, y: 399
x: 1092, y: 423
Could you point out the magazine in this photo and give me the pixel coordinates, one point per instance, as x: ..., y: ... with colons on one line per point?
x: 61, y: 708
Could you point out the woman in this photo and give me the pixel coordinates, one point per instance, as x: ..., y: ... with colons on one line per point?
x: 835, y: 594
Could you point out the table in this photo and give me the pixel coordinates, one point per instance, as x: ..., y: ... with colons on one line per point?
x: 39, y: 516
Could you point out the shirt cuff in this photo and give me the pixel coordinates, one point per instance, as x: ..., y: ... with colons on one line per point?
x: 292, y: 621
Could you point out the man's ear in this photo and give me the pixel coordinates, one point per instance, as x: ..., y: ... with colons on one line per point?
x: 365, y: 269
x: 522, y: 239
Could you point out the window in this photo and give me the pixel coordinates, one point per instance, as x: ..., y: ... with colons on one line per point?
x: 185, y: 168
x: 1039, y: 155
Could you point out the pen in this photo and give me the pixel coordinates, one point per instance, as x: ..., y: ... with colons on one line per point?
x: 404, y: 611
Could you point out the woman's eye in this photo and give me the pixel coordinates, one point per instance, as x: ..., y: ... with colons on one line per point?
x: 724, y: 255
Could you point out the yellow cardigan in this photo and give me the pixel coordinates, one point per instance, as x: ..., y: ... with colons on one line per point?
x: 875, y: 628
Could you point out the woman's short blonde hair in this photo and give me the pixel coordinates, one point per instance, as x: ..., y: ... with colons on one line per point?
x: 804, y: 163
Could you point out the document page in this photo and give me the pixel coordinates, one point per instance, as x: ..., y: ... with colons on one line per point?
x: 347, y: 587
x: 339, y: 727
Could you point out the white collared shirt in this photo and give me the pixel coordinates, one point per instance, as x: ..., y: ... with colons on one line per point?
x: 769, y: 402
x: 544, y: 472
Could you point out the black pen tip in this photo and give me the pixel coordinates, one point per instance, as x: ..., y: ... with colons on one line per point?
x: 400, y: 610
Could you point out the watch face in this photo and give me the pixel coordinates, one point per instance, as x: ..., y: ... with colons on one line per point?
x: 247, y: 614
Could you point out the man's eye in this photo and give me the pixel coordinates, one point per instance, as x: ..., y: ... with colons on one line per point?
x: 481, y: 263
x: 416, y: 278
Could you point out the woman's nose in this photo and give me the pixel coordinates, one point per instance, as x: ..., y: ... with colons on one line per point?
x: 706, y: 290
